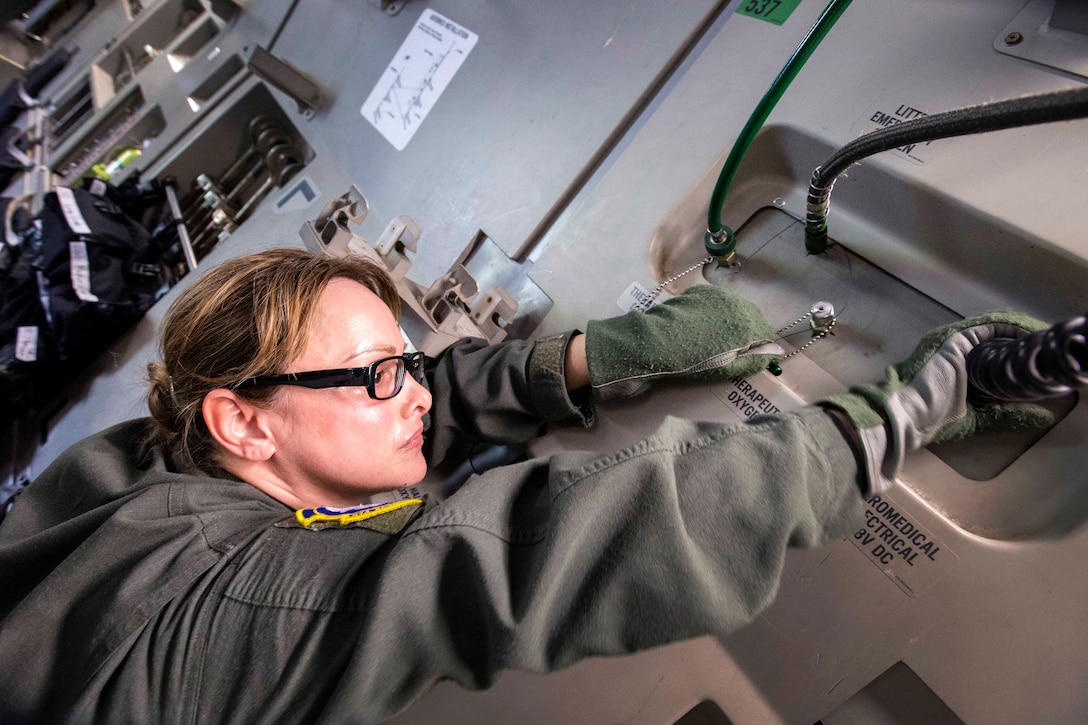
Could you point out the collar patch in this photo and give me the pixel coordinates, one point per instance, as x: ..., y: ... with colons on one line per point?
x: 386, y: 518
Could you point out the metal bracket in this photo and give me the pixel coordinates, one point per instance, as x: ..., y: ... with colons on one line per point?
x: 494, y: 312
x: 401, y: 236
x: 1053, y: 33
x: 287, y: 78
x: 433, y: 317
x: 329, y: 233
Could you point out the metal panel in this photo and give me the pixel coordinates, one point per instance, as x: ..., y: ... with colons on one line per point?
x: 546, y: 87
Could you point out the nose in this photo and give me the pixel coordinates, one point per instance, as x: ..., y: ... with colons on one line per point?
x: 417, y: 398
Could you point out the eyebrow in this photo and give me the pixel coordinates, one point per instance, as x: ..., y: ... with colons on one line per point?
x: 387, y: 349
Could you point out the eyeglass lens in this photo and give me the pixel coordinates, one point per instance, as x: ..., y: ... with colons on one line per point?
x: 388, y: 377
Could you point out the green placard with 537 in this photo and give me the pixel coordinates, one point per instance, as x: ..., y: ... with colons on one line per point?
x: 773, y: 11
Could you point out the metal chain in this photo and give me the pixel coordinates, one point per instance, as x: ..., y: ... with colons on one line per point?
x: 821, y: 333
x: 645, y: 305
x: 774, y: 367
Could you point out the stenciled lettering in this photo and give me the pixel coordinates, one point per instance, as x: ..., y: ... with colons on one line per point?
x: 908, y: 113
x: 899, y: 534
x: 883, y: 119
x: 760, y: 402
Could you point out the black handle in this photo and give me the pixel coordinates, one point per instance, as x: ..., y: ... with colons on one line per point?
x: 1044, y: 364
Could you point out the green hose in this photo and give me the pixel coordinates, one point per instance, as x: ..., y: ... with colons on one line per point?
x: 721, y: 240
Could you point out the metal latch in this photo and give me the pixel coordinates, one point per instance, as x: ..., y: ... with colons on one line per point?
x: 390, y: 7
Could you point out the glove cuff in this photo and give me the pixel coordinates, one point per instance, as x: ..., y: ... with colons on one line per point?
x: 880, y: 465
x: 548, y: 387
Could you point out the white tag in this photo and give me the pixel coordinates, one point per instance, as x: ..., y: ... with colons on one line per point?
x: 416, y: 77
x: 636, y: 294
x: 70, y: 209
x: 98, y: 188
x: 80, y: 267
x: 26, y: 344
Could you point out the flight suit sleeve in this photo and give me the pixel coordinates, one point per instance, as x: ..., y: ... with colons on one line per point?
x: 498, y: 394
x: 537, y: 565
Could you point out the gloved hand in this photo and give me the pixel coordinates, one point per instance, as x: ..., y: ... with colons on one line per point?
x: 923, y: 400
x: 706, y: 333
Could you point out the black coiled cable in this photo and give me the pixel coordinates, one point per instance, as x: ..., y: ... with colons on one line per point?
x: 1029, y: 110
x: 1044, y: 364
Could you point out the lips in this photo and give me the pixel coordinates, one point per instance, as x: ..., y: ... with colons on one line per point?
x: 416, y: 441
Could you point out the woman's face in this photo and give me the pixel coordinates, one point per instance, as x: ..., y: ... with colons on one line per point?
x: 337, y: 446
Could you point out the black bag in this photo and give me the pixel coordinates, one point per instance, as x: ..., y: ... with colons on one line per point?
x: 84, y: 273
x: 98, y: 269
x: 27, y: 352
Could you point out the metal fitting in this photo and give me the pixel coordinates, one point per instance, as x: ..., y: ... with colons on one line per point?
x: 822, y: 316
x: 721, y: 245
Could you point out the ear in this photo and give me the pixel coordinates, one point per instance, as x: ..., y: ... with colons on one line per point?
x: 240, y: 427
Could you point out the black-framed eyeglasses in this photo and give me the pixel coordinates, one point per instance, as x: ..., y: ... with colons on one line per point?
x: 383, y: 378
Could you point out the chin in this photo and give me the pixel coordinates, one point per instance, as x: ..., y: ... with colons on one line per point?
x: 413, y: 481
x: 416, y: 478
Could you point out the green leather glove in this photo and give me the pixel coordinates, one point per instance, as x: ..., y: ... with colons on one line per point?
x: 706, y: 333
x: 923, y: 400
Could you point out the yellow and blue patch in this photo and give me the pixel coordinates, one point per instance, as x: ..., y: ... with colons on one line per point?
x: 387, y: 518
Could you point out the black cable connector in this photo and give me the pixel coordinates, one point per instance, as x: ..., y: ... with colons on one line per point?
x: 1044, y: 364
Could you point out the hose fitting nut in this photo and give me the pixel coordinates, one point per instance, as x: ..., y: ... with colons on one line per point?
x: 721, y: 244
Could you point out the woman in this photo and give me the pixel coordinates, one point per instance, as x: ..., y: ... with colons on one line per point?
x: 214, y: 564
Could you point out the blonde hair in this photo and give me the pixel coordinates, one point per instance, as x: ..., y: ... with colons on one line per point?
x: 249, y: 316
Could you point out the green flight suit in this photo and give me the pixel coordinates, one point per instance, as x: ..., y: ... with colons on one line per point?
x: 137, y: 592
